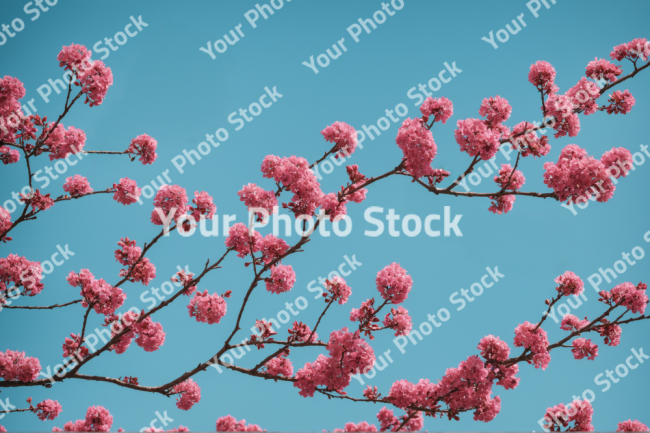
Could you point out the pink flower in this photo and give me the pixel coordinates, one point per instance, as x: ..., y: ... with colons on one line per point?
x: 229, y: 423
x: 301, y: 332
x: 620, y: 102
x: 438, y: 175
x: 569, y: 284
x: 526, y: 141
x: 148, y: 334
x: 475, y: 138
x: 536, y: 341
x: 17, y: 366
x: 363, y: 426
x: 74, y: 57
x: 207, y: 308
x: 77, y: 186
x: 388, y: 421
x: 72, y: 346
x: 22, y: 272
x: 599, y: 69
x: 295, y: 175
x: 272, y: 248
x: 256, y: 199
x: 144, y: 270
x: 418, y: 147
x: 95, y: 81
x: 631, y: 297
x: 542, y: 76
x: 576, y: 177
x: 393, y: 283
x: 204, y: 206
x: 63, y: 143
x: 572, y: 323
x: 619, y: 158
x: 126, y: 192
x: 584, y: 95
x: 145, y: 146
x: 401, y: 322
x: 8, y: 156
x: 635, y: 49
x: 441, y: 108
x: 493, y: 348
x: 190, y: 394
x: 508, y: 179
x: 48, y: 409
x: 171, y: 200
x: 338, y: 289
x: 630, y: 425
x: 98, y: 419
x: 579, y: 412
x: 5, y: 223
x: 263, y: 333
x: 104, y: 298
x: 343, y: 135
x: 243, y: 242
x: 584, y: 348
x: 561, y: 107
x: 280, y: 366
x: 611, y: 332
x: 335, y: 209
x: 281, y: 280
x: 38, y: 201
x: 497, y: 110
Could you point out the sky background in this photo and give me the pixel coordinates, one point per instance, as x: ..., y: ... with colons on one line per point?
x: 166, y: 87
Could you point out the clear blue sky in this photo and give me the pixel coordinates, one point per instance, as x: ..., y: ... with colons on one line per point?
x: 166, y: 87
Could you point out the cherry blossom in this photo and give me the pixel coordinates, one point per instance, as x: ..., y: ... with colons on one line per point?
x: 603, y: 69
x: 294, y: 174
x: 630, y: 425
x: 63, y: 143
x: 542, y: 76
x: 393, y: 283
x: 338, y: 289
x: 619, y: 158
x: 280, y: 365
x: 126, y: 192
x: 204, y: 206
x: 256, y: 198
x: 229, y: 423
x: 72, y: 346
x: 579, y: 412
x: 171, y: 202
x: 9, y: 156
x: 633, y: 50
x: 527, y: 141
x: 207, y: 308
x: 48, y: 409
x: 190, y: 394
x: 584, y: 348
x: 15, y: 365
x: 418, y: 147
x: 242, y: 241
x: 281, y: 280
x: 77, y: 186
x: 343, y: 135
x: 569, y: 284
x: 400, y: 321
x: 475, y: 138
x: 145, y: 146
x: 22, y: 273
x: 534, y: 339
x: 272, y: 248
x: 441, y: 108
x: 572, y: 323
x: 495, y: 109
x: 620, y: 102
x: 509, y: 179
x: 104, y: 298
x: 38, y: 201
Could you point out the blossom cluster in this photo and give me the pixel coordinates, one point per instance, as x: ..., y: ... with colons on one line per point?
x: 344, y: 136
x: 104, y: 298
x: 138, y: 269
x: 148, y: 334
x: 22, y: 273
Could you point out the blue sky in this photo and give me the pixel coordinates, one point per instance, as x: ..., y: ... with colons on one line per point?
x: 166, y: 87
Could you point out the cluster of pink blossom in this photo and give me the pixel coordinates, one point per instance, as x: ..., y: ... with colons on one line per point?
x: 9, y: 156
x: 630, y: 425
x: 21, y: 272
x: 156, y: 429
x: 63, y: 143
x: 502, y: 204
x: 75, y: 58
x: 241, y: 240
x: 418, y: 147
x: 569, y: 284
x: 524, y: 139
x: 349, y: 354
x: 542, y: 76
x: 620, y: 102
x: 584, y: 95
x: 144, y: 271
x: 301, y: 332
x: 437, y: 176
x: 534, y: 339
x: 38, y: 201
x: 344, y: 136
x: 95, y: 82
x: 126, y: 192
x: 98, y: 419
x: 507, y: 179
x: 77, y: 186
x: 493, y: 348
x: 635, y: 49
x: 171, y: 202
x: 205, y: 206
x: 475, y: 138
x: 104, y: 298
x: 496, y: 351
x: 15, y: 365
x: 190, y: 394
x: 584, y: 348
x: 294, y: 174
x: 572, y: 323
x: 496, y: 110
x: 280, y: 365
x: 632, y: 297
x: 48, y: 409
x: 338, y: 289
x: 333, y: 207
x: 618, y: 158
x: 265, y: 332
x: 440, y: 108
x: 281, y: 280
x: 400, y: 321
x: 365, y: 315
x: 11, y: 90
x: 229, y: 423
x: 389, y: 422
x: 602, y: 69
x: 207, y: 308
x: 576, y: 177
x: 145, y: 146
x: 363, y: 426
x: 72, y: 347
x: 150, y: 334
x: 611, y: 331
x: 5, y: 224
x: 579, y: 413
x: 256, y: 198
x: 560, y: 107
x: 184, y: 279
x: 272, y: 248
x: 393, y: 283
